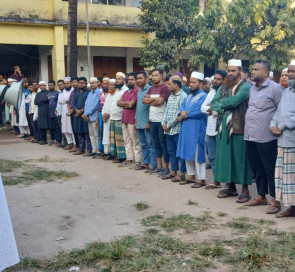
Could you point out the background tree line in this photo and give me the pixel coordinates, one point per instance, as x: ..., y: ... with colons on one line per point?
x: 248, y: 29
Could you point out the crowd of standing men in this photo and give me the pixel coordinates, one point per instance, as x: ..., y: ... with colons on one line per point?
x: 159, y: 125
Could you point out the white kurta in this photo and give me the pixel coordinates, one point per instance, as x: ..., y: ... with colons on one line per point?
x: 63, y: 99
x: 8, y: 250
x: 22, y: 113
x: 106, y: 126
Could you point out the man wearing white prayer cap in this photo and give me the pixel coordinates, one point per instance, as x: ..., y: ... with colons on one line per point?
x: 99, y: 122
x: 231, y: 163
x: 106, y: 111
x: 191, y: 143
x: 41, y: 100
x: 116, y: 139
x: 66, y: 124
x: 283, y: 126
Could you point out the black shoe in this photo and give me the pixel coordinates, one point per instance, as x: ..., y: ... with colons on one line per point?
x: 42, y: 143
x: 108, y: 157
x: 26, y: 136
x: 96, y: 155
x: 92, y: 154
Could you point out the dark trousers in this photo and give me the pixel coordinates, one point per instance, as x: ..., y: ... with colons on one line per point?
x: 30, y: 124
x: 35, y: 127
x: 160, y: 141
x: 262, y: 158
x: 55, y: 129
x: 172, y: 142
x: 75, y: 134
x: 1, y: 113
x: 84, y: 142
x: 43, y: 136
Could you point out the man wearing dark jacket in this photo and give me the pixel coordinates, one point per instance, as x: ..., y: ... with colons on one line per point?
x: 41, y: 100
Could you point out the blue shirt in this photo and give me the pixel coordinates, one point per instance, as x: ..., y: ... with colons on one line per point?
x: 52, y: 97
x: 142, y: 110
x: 92, y: 105
x: 284, y: 119
x: 193, y: 128
x: 27, y: 105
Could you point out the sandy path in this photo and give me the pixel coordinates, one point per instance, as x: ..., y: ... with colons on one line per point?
x: 98, y: 205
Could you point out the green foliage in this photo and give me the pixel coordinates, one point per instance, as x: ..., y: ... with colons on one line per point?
x: 172, y: 22
x: 249, y: 28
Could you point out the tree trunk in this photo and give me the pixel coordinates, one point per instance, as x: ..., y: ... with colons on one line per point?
x: 72, y: 49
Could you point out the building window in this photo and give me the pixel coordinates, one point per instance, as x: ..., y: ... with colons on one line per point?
x: 110, y: 2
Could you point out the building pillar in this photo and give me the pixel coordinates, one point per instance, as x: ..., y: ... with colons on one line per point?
x: 129, y: 60
x: 58, y: 54
x: 44, y: 67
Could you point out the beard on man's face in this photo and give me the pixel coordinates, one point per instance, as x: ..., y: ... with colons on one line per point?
x: 131, y: 86
x: 291, y: 83
x: 216, y: 86
x: 231, y: 80
x: 119, y: 86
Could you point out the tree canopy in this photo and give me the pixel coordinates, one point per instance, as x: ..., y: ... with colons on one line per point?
x: 172, y: 22
x: 247, y: 29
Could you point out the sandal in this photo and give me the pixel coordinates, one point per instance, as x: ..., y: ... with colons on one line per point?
x: 140, y: 167
x: 243, y: 198
x: 177, y: 179
x: 225, y: 193
x: 186, y: 181
x: 168, y: 176
x: 273, y: 208
x: 212, y: 186
x: 198, y: 184
x: 256, y: 202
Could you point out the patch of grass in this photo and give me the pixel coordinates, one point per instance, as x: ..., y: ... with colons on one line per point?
x: 241, y: 223
x: 153, y: 221
x: 34, y: 175
x: 188, y: 222
x: 47, y: 159
x: 9, y: 166
x: 211, y: 249
x: 192, y: 203
x: 254, y: 252
x: 222, y: 214
x: 141, y: 206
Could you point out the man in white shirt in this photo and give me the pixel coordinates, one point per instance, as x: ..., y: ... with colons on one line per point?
x: 211, y: 124
x: 116, y: 134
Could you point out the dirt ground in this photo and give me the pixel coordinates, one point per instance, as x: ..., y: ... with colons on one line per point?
x: 99, y: 203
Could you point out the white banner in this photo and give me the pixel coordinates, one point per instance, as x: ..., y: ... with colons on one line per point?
x: 8, y: 250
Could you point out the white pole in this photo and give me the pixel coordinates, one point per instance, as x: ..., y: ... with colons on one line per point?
x: 88, y: 46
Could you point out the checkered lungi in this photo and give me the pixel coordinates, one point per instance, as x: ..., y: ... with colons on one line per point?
x: 285, y: 175
x: 116, y: 140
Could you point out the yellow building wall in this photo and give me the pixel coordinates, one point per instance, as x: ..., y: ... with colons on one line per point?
x: 58, y: 10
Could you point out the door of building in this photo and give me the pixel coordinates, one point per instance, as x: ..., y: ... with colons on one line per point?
x: 108, y: 65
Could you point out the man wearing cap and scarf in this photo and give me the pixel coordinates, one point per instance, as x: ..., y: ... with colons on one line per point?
x: 91, y: 113
x: 116, y: 133
x: 231, y: 163
x: 41, y: 100
x: 283, y: 126
x: 106, y: 111
x: 80, y: 125
x: 66, y: 124
x: 191, y: 142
